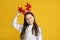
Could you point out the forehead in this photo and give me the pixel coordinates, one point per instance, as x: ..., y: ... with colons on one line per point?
x: 28, y: 15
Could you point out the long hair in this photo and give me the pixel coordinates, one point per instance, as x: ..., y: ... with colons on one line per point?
x: 34, y: 29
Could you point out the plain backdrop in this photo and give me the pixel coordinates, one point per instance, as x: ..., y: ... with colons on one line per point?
x: 47, y: 15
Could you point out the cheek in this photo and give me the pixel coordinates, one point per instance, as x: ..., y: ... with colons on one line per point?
x: 27, y: 21
x: 32, y: 19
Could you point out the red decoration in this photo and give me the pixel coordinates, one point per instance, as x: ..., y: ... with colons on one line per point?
x: 21, y: 10
x: 28, y: 6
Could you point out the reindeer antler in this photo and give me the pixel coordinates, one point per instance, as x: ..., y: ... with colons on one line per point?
x: 21, y: 10
x: 28, y: 6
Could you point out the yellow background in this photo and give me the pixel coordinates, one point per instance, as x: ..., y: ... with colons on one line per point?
x: 47, y: 14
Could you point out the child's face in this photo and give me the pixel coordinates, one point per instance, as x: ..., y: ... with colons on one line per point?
x: 29, y: 19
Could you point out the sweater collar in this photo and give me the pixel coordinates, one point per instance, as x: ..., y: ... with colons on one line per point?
x: 30, y: 26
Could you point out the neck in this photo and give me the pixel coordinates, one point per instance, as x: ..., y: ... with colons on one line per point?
x: 31, y: 25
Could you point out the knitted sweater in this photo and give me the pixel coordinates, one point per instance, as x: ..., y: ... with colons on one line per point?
x: 28, y: 33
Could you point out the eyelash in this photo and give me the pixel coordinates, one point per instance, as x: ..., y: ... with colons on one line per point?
x: 28, y: 19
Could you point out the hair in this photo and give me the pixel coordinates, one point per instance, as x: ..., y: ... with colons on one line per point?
x: 34, y: 29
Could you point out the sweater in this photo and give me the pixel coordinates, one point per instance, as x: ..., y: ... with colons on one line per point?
x: 28, y: 33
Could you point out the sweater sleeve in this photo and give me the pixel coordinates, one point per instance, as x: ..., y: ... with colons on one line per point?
x: 15, y: 25
x: 39, y: 37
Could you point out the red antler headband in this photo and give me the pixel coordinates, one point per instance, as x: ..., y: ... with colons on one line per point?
x: 28, y: 6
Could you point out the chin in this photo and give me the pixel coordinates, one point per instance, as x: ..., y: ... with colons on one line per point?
x: 31, y: 23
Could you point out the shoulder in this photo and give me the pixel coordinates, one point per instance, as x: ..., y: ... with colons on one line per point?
x: 39, y: 28
x: 20, y: 24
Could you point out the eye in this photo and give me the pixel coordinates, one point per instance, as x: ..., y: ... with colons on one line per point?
x: 27, y: 19
x: 30, y: 17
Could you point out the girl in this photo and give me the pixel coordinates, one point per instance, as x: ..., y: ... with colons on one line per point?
x: 29, y: 30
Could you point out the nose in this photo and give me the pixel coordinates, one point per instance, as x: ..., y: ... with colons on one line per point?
x: 29, y: 20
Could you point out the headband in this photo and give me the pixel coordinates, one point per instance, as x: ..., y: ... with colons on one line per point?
x: 27, y: 9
